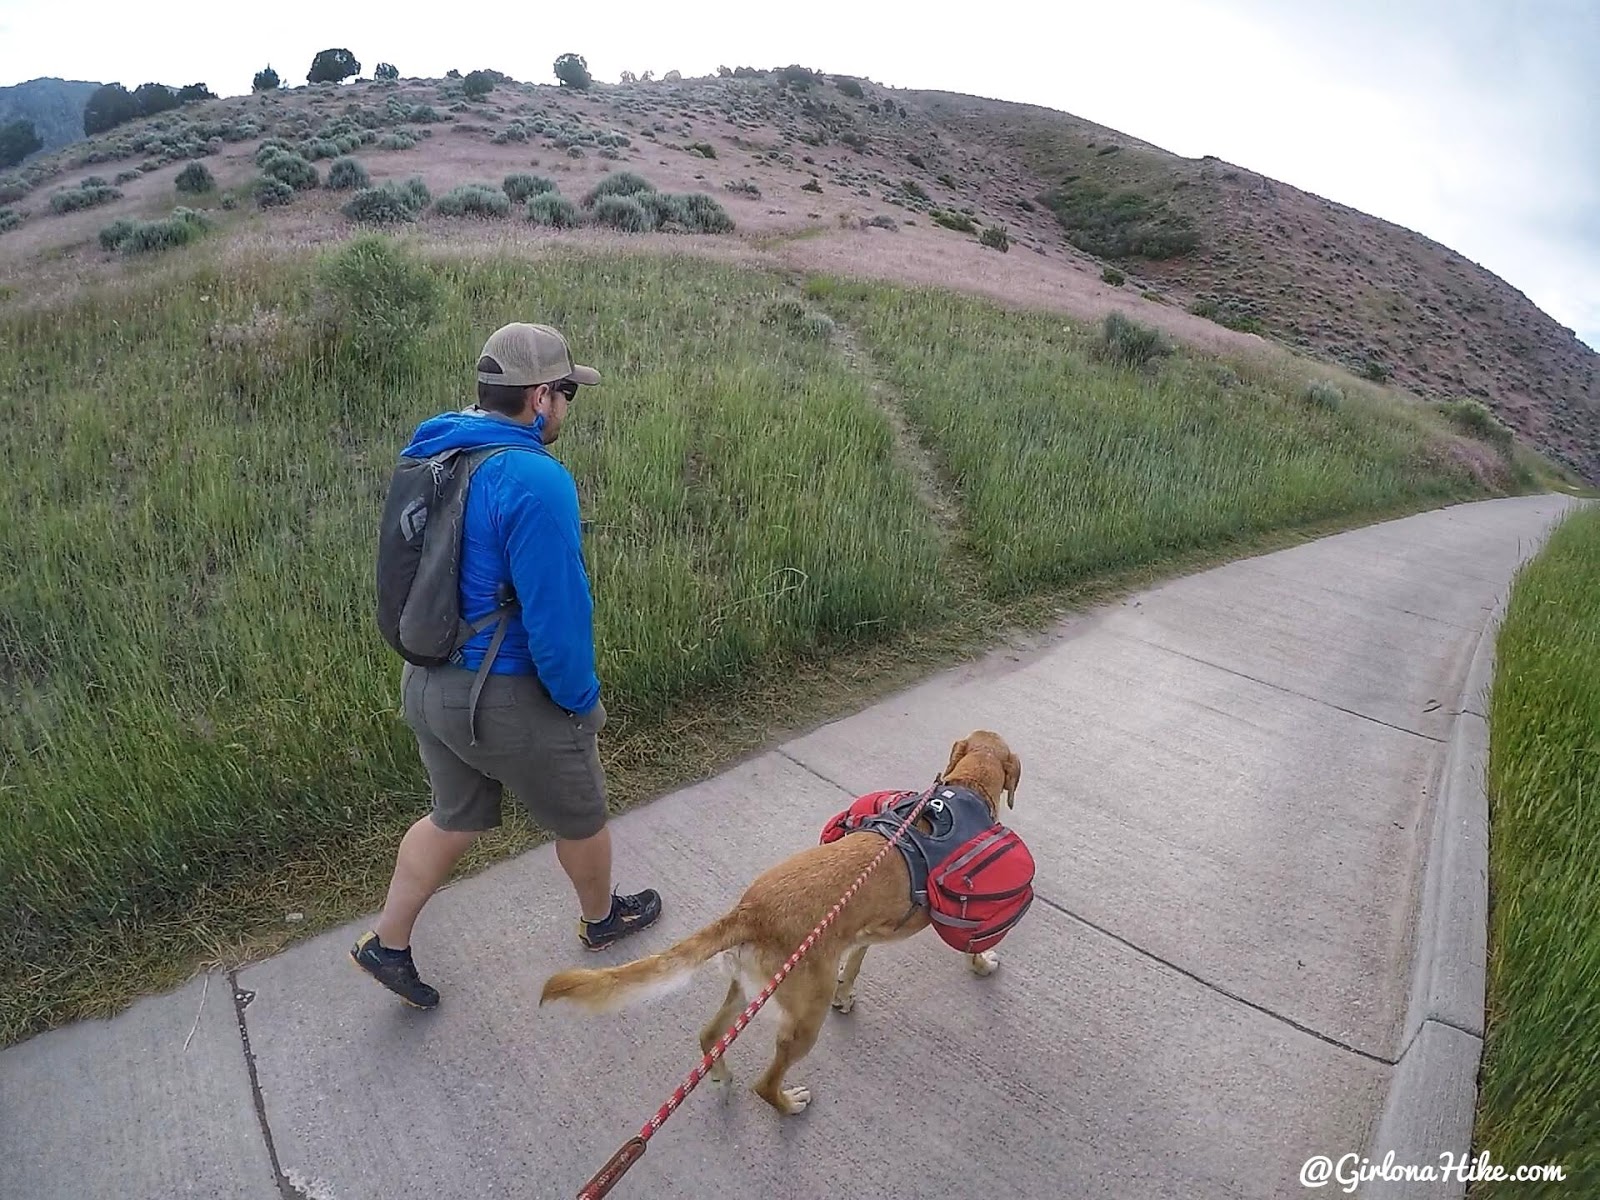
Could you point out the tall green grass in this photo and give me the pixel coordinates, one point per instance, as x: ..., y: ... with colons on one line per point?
x: 193, y: 682
x: 1539, y: 1099
x: 196, y: 695
x: 1069, y: 464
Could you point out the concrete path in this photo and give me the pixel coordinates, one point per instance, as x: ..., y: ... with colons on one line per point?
x: 1227, y: 786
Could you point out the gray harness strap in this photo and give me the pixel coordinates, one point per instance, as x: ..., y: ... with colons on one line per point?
x: 957, y: 815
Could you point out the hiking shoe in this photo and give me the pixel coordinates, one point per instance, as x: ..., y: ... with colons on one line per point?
x: 394, y: 969
x: 629, y: 914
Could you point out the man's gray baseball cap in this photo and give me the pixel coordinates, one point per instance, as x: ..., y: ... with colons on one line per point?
x: 528, y: 355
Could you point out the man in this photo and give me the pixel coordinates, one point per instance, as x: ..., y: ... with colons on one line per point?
x: 535, y: 726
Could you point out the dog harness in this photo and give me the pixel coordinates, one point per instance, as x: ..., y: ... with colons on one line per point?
x: 972, y: 874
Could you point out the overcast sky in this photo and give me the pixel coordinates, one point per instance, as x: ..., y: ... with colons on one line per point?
x: 1476, y: 122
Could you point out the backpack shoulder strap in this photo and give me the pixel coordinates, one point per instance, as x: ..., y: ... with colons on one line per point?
x: 499, y: 616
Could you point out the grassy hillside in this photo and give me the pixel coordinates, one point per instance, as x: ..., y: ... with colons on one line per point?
x: 55, y: 106
x: 1257, y: 254
x: 1540, y: 1092
x: 204, y: 727
x: 1062, y: 478
x: 802, y: 159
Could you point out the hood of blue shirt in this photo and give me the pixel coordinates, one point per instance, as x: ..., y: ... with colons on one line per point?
x: 465, y: 430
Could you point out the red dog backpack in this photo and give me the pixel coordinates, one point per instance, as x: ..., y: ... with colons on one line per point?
x: 849, y: 821
x: 981, y: 890
x: 972, y: 874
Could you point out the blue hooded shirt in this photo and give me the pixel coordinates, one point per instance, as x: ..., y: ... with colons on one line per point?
x: 521, y: 526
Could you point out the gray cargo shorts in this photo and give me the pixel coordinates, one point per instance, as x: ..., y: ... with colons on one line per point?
x: 549, y: 759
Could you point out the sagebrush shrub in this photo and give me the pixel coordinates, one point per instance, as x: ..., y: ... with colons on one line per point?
x: 623, y: 183
x: 388, y: 203
x: 271, y: 193
x: 373, y: 300
x: 289, y: 167
x: 74, y: 199
x: 666, y: 211
x: 1324, y: 394
x: 1113, y: 276
x: 270, y: 148
x: 400, y: 139
x: 702, y: 214
x: 794, y: 317
x: 1476, y: 419
x: 143, y: 237
x: 474, y: 200
x: 996, y: 238
x: 195, y: 179
x: 521, y: 187
x: 1128, y: 343
x: 347, y: 173
x: 111, y: 236
x: 959, y: 222
x: 623, y: 212
x: 547, y: 208
x: 9, y: 219
x: 818, y: 325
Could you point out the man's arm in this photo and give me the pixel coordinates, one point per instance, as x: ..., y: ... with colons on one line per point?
x: 543, y: 549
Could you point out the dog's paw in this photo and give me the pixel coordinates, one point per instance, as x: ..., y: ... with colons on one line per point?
x: 986, y: 963
x: 795, y: 1099
x: 844, y: 1003
x: 719, y: 1072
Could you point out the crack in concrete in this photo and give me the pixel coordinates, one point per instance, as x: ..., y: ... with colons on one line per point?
x: 1278, y: 687
x: 1214, y: 987
x: 1442, y: 1023
x: 241, y: 1001
x: 812, y: 771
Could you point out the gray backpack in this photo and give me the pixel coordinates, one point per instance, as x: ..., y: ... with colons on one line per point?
x: 419, y: 561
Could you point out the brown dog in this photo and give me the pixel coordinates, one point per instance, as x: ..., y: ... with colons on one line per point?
x: 774, y: 916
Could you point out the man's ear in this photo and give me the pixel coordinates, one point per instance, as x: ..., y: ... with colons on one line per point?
x: 1013, y: 778
x: 957, y: 753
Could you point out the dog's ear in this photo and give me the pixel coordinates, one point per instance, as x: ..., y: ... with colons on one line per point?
x: 957, y: 753
x: 1013, y: 778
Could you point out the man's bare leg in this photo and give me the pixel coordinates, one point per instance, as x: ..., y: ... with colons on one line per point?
x: 426, y: 856
x: 587, y: 863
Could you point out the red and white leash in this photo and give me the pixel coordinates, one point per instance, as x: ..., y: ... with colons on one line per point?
x: 633, y: 1149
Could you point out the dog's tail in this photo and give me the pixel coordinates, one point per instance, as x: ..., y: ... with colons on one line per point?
x: 611, y: 988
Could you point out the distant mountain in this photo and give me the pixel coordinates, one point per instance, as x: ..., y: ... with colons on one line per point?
x: 55, y: 106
